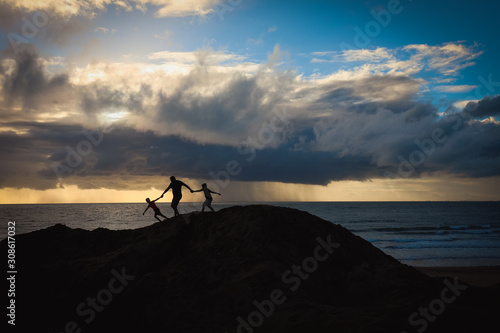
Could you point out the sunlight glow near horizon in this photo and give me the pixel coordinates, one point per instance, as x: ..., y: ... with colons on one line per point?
x: 376, y: 190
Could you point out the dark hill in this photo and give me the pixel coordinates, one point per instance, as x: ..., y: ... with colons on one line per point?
x: 242, y: 269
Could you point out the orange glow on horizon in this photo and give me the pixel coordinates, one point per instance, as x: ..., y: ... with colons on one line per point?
x: 441, y: 189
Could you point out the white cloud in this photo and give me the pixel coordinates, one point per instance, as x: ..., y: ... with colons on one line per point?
x: 377, y: 55
x: 181, y: 57
x: 89, y: 8
x: 101, y: 29
x: 64, y: 8
x: 463, y: 104
x: 447, y: 59
x: 105, y: 30
x: 490, y: 120
x: 165, y: 35
x: 176, y: 8
x: 206, y: 56
x: 456, y: 88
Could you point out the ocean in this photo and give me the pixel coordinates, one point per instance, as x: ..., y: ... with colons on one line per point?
x: 416, y: 233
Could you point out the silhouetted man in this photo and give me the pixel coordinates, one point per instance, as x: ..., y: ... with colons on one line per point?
x: 176, y: 186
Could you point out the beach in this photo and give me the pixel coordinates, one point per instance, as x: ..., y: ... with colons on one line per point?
x: 480, y: 276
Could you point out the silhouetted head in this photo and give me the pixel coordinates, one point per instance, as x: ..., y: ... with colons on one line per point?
x: 147, y: 200
x: 204, y: 185
x: 172, y: 178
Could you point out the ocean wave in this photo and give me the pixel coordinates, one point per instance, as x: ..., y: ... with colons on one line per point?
x: 463, y: 257
x: 412, y: 240
x: 431, y: 245
x: 432, y: 229
x: 373, y: 221
x: 454, y: 227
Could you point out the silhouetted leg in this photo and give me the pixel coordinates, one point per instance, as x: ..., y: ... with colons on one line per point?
x: 203, y: 206
x: 174, y: 207
x: 175, y: 203
x: 209, y: 205
x: 159, y: 213
x: 156, y: 216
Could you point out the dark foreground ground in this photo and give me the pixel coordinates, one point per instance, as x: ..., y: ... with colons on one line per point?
x: 242, y: 269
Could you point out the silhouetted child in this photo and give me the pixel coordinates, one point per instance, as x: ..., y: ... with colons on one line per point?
x: 155, y: 208
x: 208, y: 197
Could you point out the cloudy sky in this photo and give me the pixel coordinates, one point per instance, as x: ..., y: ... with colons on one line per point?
x: 102, y: 101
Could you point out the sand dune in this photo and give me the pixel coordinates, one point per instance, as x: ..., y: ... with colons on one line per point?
x: 242, y: 269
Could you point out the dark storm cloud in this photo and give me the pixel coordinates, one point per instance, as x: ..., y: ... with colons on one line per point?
x: 28, y: 81
x: 131, y: 159
x: 9, y: 15
x: 487, y: 107
x: 23, y: 156
x: 472, y: 150
x: 23, y: 26
x: 454, y: 145
x: 134, y: 155
x: 237, y: 105
x: 366, y: 95
x: 97, y: 96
